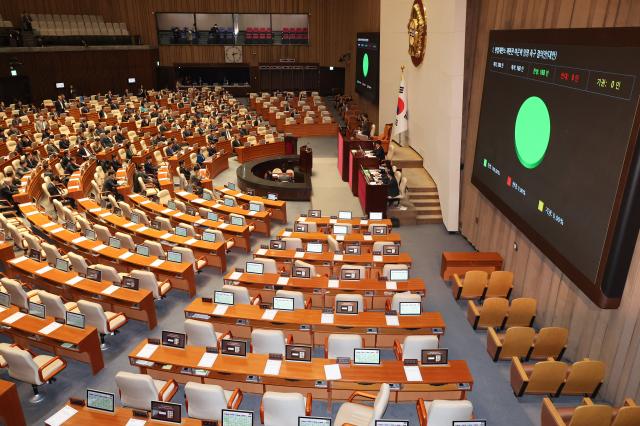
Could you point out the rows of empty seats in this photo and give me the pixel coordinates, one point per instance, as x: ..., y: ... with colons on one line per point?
x: 76, y: 25
x: 5, y: 23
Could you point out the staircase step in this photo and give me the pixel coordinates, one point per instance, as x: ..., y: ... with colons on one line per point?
x: 423, y: 196
x: 407, y: 164
x: 425, y: 219
x: 425, y: 203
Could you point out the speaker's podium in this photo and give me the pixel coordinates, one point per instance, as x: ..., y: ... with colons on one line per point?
x: 306, y: 159
x: 290, y: 144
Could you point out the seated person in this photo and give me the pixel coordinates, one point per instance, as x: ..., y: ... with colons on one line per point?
x: 149, y: 168
x: 378, y: 151
x: 184, y: 170
x: 111, y: 184
x: 390, y: 179
x: 7, y: 191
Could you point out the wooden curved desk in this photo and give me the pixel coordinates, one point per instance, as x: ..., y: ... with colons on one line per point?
x: 278, y: 207
x: 363, y: 240
x: 254, y: 152
x: 322, y: 290
x: 356, y: 223
x: 10, y: 409
x: 306, y: 324
x: 83, y: 343
x: 135, y: 304
x: 121, y: 417
x: 240, y: 234
x: 261, y: 220
x: 329, y: 263
x: 445, y: 382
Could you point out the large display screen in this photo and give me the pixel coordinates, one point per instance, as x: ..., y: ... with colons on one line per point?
x: 368, y: 65
x: 556, y: 143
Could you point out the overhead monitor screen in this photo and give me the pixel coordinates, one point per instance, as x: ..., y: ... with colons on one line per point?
x: 556, y: 147
x: 367, y: 65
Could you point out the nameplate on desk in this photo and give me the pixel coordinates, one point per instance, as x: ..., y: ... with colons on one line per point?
x: 190, y: 241
x: 272, y: 367
x: 392, y: 320
x: 377, y: 258
x: 74, y: 280
x: 261, y: 252
x: 105, y: 214
x: 44, y: 270
x: 326, y: 318
x: 18, y: 260
x: 183, y: 193
x: 223, y: 225
x: 200, y: 221
x: 147, y: 351
x: 166, y: 211
x: 156, y: 263
x: 50, y: 328
x: 332, y: 372
x: 340, y: 237
x: 412, y: 372
x: 391, y: 285
x: 333, y: 221
x: 125, y: 255
x: 178, y: 214
x: 32, y: 213
x: 368, y: 237
x: 95, y: 210
x: 145, y: 202
x: 338, y: 257
x: 220, y: 310
x: 302, y: 219
x: 334, y: 284
x: 109, y: 290
x: 299, y: 255
x: 235, y: 275
x: 283, y: 281
x: 207, y: 360
x: 198, y: 200
x: 99, y: 247
x: 269, y: 314
x: 13, y: 318
x: 61, y: 416
x: 79, y: 240
x: 128, y: 225
x: 142, y: 228
x: 252, y: 213
x: 166, y: 236
x: 49, y: 225
x: 286, y: 234
x: 55, y: 231
x: 364, y: 222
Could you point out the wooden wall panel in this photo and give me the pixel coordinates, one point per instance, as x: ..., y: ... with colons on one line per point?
x: 332, y: 27
x: 610, y: 335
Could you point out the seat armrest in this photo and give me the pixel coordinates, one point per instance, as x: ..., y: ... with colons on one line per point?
x: 46, y: 364
x: 116, y: 316
x: 494, y: 345
x: 361, y: 394
x: 262, y: 411
x: 549, y: 415
x: 164, y: 389
x: 256, y: 300
x: 225, y: 335
x: 456, y: 286
x: 473, y: 314
x: 628, y: 402
x: 422, y: 412
x: 519, y: 377
x: 397, y: 349
x: 235, y: 399
x: 587, y: 401
x: 289, y: 339
x: 387, y: 305
x: 309, y: 405
x: 308, y: 303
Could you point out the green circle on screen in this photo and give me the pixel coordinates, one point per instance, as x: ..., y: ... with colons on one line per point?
x: 532, y: 132
x: 365, y: 65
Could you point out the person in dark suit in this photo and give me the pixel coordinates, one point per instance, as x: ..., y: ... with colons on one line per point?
x: 378, y: 151
x: 184, y: 170
x: 199, y: 158
x: 52, y: 188
x: 111, y: 184
x: 64, y: 142
x: 139, y: 173
x: 149, y: 168
x: 59, y: 104
x: 7, y: 192
x: 84, y: 152
x: 52, y: 149
x: 390, y: 180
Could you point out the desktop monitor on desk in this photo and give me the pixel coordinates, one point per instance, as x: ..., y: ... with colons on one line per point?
x: 399, y: 275
x: 345, y: 215
x: 314, y: 421
x: 283, y: 303
x: 375, y: 216
x: 255, y: 207
x: 254, y: 268
x: 315, y: 213
x: 366, y: 356
x: 233, y: 347
x: 62, y: 265
x: 272, y: 196
x: 350, y: 274
x: 209, y: 236
x: 142, y: 250
x: 347, y: 307
x: 5, y: 300
x: 237, y: 418
x: 171, y: 205
x: 410, y: 308
x: 135, y: 218
x: 340, y: 229
x: 223, y: 297
x: 229, y: 202
x: 37, y: 310
x: 180, y: 231
x: 35, y: 255
x: 231, y: 186
x: 434, y: 356
x: 166, y: 412
x: 90, y: 234
x: 299, y: 353
x: 237, y: 220
x: 130, y: 283
x: 277, y: 245
x: 301, y: 272
x: 314, y: 247
x: 174, y: 256
x: 212, y: 216
x: 94, y: 274
x: 469, y: 423
x: 207, y: 196
x: 352, y: 249
x: 74, y: 320
x: 173, y: 339
x: 391, y: 250
x: 114, y: 242
x: 300, y: 227
x: 379, y: 230
x: 101, y: 401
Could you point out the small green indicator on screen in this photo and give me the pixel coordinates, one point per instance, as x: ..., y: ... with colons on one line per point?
x: 485, y: 162
x: 540, y: 205
x: 365, y: 65
x: 532, y: 132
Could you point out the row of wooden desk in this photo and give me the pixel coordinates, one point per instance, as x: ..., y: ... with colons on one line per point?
x: 249, y: 153
x: 363, y: 240
x: 278, y: 208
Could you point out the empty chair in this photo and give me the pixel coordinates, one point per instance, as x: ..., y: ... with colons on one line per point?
x: 350, y: 297
x: 312, y: 268
x: 220, y: 237
x: 191, y: 231
x: 164, y: 223
x: 36, y: 370
x: 188, y: 257
x: 587, y: 414
x: 104, y: 321
x: 268, y: 341
x: 405, y: 296
x: 297, y: 296
x: 78, y: 263
x: 515, y: 342
x: 241, y: 295
x: 269, y: 265
x: 126, y: 209
x: 206, y: 402
x: 55, y: 307
x: 544, y: 377
x: 163, y: 196
x: 20, y: 296
x: 522, y: 312
x: 358, y: 414
x: 628, y: 414
x: 52, y: 253
x: 147, y: 280
x: 443, y: 412
x: 292, y: 243
x: 491, y: 313
x: 126, y: 242
x: 500, y: 284
x: 413, y: 346
x: 155, y: 249
x: 241, y: 219
x: 138, y: 390
x: 283, y: 409
x: 342, y: 345
x: 584, y: 378
x: 142, y: 217
x: 109, y: 273
x: 84, y: 224
x: 333, y: 244
x: 202, y: 333
x: 102, y: 233
x: 550, y: 342
x: 471, y: 287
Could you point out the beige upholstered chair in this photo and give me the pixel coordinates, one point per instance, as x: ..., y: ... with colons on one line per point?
x: 138, y: 390
x: 342, y: 345
x: 443, y: 412
x: 283, y: 409
x: 359, y: 414
x: 104, y: 321
x: 36, y: 370
x: 206, y: 402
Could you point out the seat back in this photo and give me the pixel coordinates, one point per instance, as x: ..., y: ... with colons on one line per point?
x: 94, y: 315
x: 21, y: 365
x: 493, y: 312
x: 413, y: 346
x: 522, y: 312
x: 380, y: 403
x: 32, y: 242
x: 164, y: 196
x: 342, y: 297
x: 270, y: 265
x: 136, y: 390
x: 591, y: 415
x: 78, y: 263
x: 109, y: 273
x: 378, y: 246
x: 126, y: 241
x: 445, y: 412
x: 232, y: 199
x: 546, y: 377
x: 126, y: 209
x: 191, y: 232
x: 147, y: 280
x: 584, y: 377
x: 53, y: 304
x: 362, y: 269
x: 474, y: 284
x: 84, y: 223
x: 267, y: 341
x: 102, y: 233
x: 142, y: 217
x: 165, y: 224
x: 500, y: 284
x: 16, y: 292
x: 342, y: 345
x: 51, y: 253
x: 204, y: 401
x: 517, y: 342
x: 292, y: 243
x: 282, y: 409
x: 200, y: 333
x: 629, y: 415
x: 405, y: 296
x: 333, y: 244
x: 386, y: 269
x: 550, y: 342
x: 240, y: 294
x: 155, y: 248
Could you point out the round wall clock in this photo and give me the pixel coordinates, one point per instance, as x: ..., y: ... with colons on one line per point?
x: 417, y: 29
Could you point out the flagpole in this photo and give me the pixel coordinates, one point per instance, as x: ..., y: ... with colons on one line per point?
x: 401, y: 79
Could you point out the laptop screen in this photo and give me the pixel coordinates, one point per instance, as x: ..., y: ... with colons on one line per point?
x: 399, y: 275
x: 166, y: 412
x: 254, y: 268
x: 94, y: 274
x: 223, y: 297
x: 344, y: 215
x: 298, y: 353
x: 314, y: 247
x: 102, y: 401
x: 173, y: 339
x: 283, y: 303
x: 74, y: 320
x: 237, y: 418
x: 366, y: 356
x: 174, y: 256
